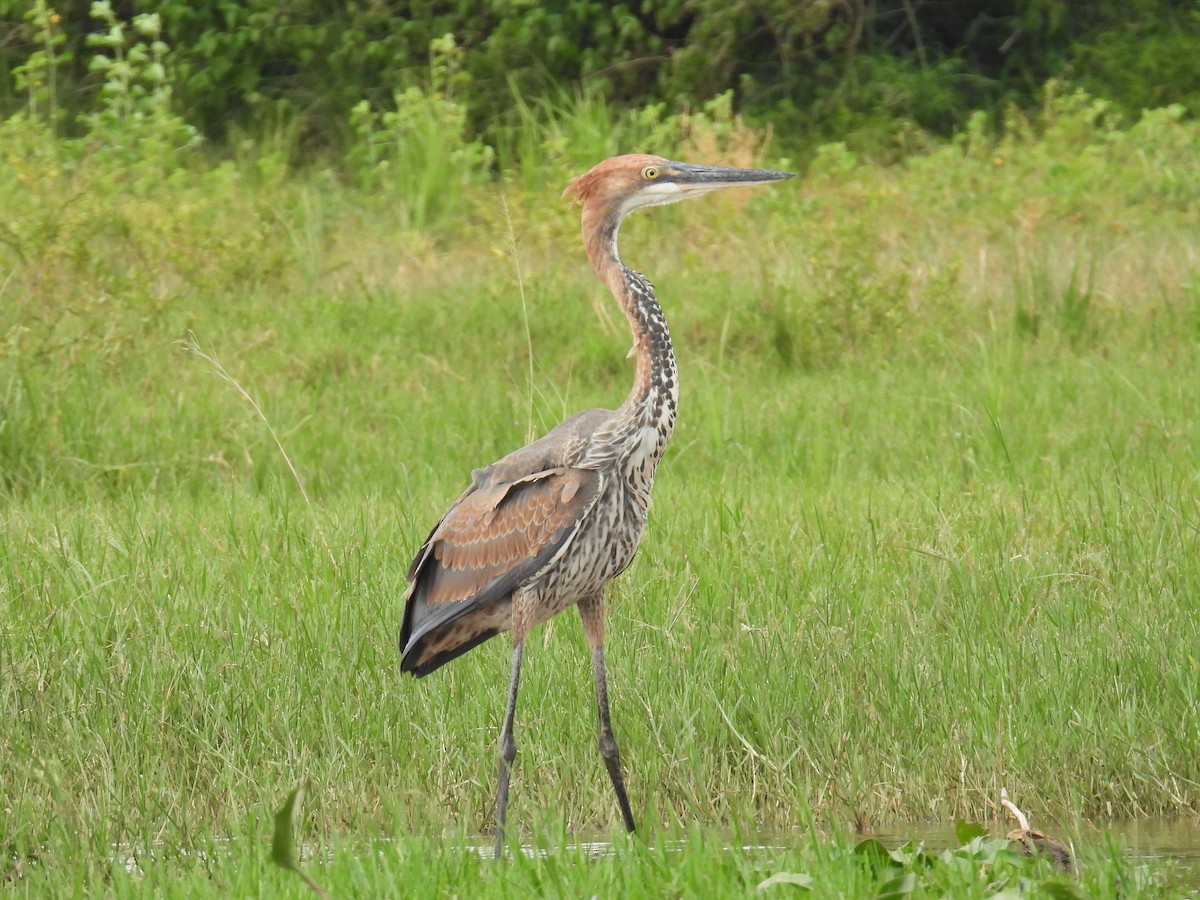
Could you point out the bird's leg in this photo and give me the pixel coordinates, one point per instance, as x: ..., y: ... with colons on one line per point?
x: 608, y: 744
x: 592, y: 611
x: 508, y: 746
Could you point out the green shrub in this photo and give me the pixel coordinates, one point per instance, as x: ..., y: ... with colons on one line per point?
x: 821, y: 71
x: 420, y: 152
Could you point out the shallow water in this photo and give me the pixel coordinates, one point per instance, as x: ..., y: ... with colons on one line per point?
x: 1154, y: 841
x: 1168, y: 838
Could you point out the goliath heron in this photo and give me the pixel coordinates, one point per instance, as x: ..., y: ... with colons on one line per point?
x: 546, y: 527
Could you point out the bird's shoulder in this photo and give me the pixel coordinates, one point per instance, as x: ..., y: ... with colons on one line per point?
x: 564, y: 445
x: 521, y: 505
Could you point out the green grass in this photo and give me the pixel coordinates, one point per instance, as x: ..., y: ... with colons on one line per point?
x: 929, y: 526
x: 688, y: 864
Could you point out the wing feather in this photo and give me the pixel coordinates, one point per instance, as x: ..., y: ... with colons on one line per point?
x: 497, y: 536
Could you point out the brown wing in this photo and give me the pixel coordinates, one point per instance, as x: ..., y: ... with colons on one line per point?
x: 496, y: 537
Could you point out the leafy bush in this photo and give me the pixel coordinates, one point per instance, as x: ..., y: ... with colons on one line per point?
x: 134, y: 115
x: 420, y: 150
x: 823, y: 71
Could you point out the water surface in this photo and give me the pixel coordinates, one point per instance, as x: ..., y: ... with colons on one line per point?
x: 1152, y: 840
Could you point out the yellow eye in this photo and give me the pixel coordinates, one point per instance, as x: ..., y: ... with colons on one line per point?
x: 650, y: 173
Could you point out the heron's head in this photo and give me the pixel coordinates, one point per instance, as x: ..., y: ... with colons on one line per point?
x: 622, y: 184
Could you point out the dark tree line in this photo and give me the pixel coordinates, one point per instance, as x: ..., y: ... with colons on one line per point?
x: 822, y: 67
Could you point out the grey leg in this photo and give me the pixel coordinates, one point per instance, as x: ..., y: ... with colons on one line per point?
x: 508, y: 746
x: 608, y: 744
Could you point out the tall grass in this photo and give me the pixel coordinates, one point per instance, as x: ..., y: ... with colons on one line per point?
x: 928, y: 527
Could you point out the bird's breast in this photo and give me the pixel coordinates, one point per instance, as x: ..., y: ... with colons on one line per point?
x: 605, y: 545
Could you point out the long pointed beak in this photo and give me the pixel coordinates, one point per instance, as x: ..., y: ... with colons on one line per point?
x: 691, y: 178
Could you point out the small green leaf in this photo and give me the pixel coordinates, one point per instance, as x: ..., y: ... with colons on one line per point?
x: 910, y: 854
x: 283, y: 845
x: 148, y: 24
x: 1061, y: 889
x: 965, y: 832
x: 874, y: 852
x: 801, y: 880
x: 900, y: 886
x: 1014, y: 855
x: 992, y: 849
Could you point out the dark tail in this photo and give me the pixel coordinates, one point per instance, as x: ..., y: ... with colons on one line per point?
x: 435, y: 633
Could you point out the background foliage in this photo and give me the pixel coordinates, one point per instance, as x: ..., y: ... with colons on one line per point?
x: 818, y: 68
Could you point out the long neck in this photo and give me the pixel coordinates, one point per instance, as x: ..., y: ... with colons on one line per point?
x: 654, y: 398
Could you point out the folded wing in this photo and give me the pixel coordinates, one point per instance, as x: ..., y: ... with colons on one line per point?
x: 497, y: 537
